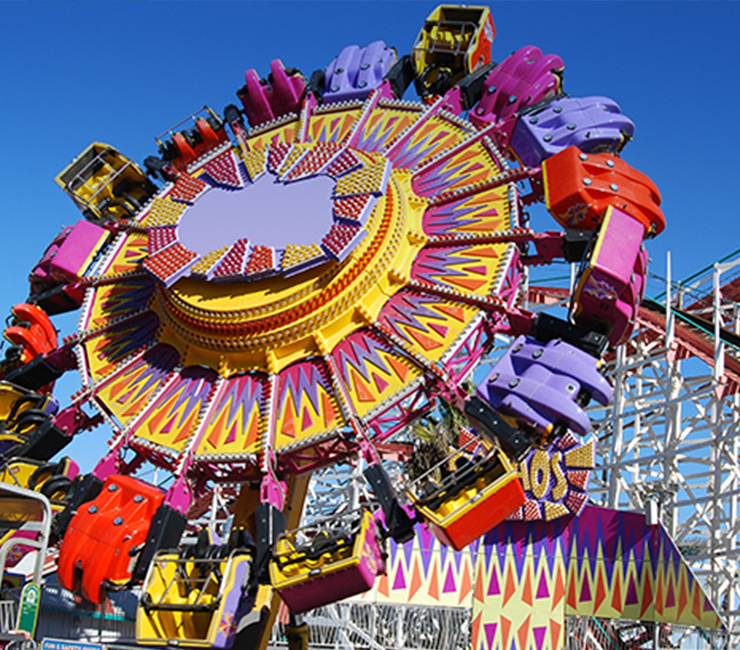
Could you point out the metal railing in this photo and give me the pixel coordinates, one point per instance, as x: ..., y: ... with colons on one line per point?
x: 8, y: 615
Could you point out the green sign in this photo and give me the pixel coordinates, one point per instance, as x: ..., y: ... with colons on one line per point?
x: 28, y: 612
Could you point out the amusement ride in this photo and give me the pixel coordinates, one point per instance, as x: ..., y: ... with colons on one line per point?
x: 306, y: 283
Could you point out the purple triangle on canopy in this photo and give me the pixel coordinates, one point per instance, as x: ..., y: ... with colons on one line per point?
x: 631, y: 598
x: 670, y: 598
x: 585, y: 591
x: 400, y: 581
x: 539, y: 636
x: 489, y: 629
x: 542, y: 589
x: 427, y: 550
x: 493, y: 588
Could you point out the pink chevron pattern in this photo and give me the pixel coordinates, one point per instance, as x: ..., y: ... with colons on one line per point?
x: 361, y: 352
x: 172, y: 419
x: 230, y: 425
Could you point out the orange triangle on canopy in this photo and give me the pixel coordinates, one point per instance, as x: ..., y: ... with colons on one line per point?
x: 555, y: 628
x: 558, y: 589
x: 523, y: 632
x: 424, y: 340
x: 683, y: 597
x: 466, y: 585
x: 617, y: 593
x: 484, y: 225
x: 433, y: 590
x: 133, y: 409
x: 659, y: 596
x: 527, y: 589
x: 510, y: 587
x: 218, y: 429
x: 505, y: 631
x: 116, y: 389
x: 647, y: 596
x: 600, y: 595
x: 155, y: 422
x: 467, y: 154
x: 125, y: 396
x: 486, y: 251
x: 571, y: 601
x: 106, y: 369
x: 383, y: 585
x: 415, y: 580
x: 186, y: 428
x: 478, y: 593
x: 696, y: 605
x: 254, y: 431
x: 475, y: 631
x: 330, y: 416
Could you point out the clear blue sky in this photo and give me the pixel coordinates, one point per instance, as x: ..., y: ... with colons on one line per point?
x: 123, y: 72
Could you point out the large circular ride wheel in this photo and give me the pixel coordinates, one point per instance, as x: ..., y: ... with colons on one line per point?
x: 330, y: 273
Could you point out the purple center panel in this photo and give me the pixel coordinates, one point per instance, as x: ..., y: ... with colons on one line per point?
x: 266, y: 212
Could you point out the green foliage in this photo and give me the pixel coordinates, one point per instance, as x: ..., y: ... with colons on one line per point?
x: 435, y: 436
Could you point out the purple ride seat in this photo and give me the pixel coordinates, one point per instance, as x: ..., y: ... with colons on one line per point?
x: 539, y: 384
x: 526, y: 77
x: 611, y: 280
x: 357, y: 71
x: 593, y: 124
x: 78, y: 250
x: 265, y: 101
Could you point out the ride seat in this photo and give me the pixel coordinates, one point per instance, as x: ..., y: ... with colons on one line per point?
x: 105, y: 534
x: 328, y: 566
x: 469, y: 501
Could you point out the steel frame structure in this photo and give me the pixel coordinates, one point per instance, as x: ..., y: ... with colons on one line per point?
x: 670, y: 441
x: 668, y: 444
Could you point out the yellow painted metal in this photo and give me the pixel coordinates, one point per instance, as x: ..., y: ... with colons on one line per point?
x: 291, y: 566
x: 332, y: 123
x: 9, y: 394
x: 268, y: 600
x: 19, y: 471
x: 300, y: 316
x: 282, y: 131
x: 102, y: 182
x: 448, y: 518
x: 183, y: 600
x: 453, y: 37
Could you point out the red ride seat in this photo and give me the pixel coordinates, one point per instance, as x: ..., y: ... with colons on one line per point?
x: 32, y: 330
x: 579, y: 188
x: 100, y: 547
